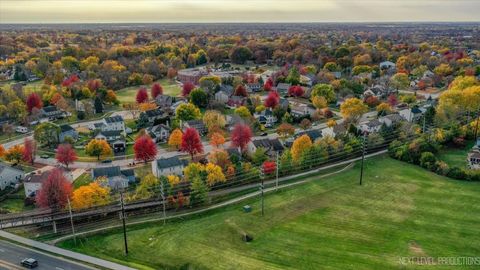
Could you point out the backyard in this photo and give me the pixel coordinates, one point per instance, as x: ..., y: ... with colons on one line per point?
x: 330, y: 223
x: 128, y: 94
x: 456, y: 156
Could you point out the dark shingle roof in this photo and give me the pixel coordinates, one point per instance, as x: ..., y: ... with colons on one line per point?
x: 111, y: 133
x: 107, y: 171
x: 114, y: 119
x: 50, y: 109
x: 312, y: 133
x: 170, y: 162
x: 66, y: 128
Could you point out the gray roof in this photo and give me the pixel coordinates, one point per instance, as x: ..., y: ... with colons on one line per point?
x: 65, y: 128
x: 170, y: 162
x: 374, y: 123
x: 269, y: 144
x: 313, y: 134
x: 114, y: 119
x: 111, y: 172
x: 7, y: 171
x: 49, y: 109
x: 111, y: 133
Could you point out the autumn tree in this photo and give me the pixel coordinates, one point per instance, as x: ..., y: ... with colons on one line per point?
x: 296, y: 91
x: 269, y: 167
x: 187, y: 88
x: 272, y: 99
x: 241, y: 91
x: 98, y: 148
x: 66, y: 154
x: 392, y: 100
x: 188, y: 111
x: 268, y: 86
x: 243, y: 112
x: 29, y: 150
x: 319, y: 102
x: 217, y: 139
x: 299, y: 146
x: 175, y: 139
x: 191, y: 142
x: 221, y: 158
x: 384, y: 108
x: 240, y: 54
x: 55, y: 191
x: 33, y: 101
x: 2, y: 151
x: 324, y: 90
x: 241, y: 136
x: 156, y: 90
x: 400, y: 81
x: 353, y: 109
x: 145, y: 148
x: 305, y: 124
x: 91, y: 195
x: 14, y: 154
x: 214, y: 174
x: 142, y: 95
x: 214, y: 120
x: 146, y: 189
x: 285, y: 130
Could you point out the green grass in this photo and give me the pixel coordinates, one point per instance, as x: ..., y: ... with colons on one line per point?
x: 456, y: 156
x: 29, y: 87
x: 82, y: 180
x: 332, y: 223
x: 128, y: 94
x: 15, y: 205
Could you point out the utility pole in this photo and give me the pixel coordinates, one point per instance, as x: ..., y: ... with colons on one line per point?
x: 162, y: 193
x: 276, y: 171
x: 71, y: 221
x: 424, y: 121
x: 123, y: 220
x: 363, y: 156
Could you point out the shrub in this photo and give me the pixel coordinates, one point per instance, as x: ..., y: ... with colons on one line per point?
x: 457, y: 173
x: 428, y: 161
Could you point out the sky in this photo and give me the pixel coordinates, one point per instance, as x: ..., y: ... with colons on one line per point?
x: 175, y: 11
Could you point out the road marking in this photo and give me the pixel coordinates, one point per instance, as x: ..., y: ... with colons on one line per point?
x: 58, y: 268
x: 10, y: 265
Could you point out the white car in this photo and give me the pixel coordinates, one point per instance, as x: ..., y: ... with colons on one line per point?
x: 21, y: 129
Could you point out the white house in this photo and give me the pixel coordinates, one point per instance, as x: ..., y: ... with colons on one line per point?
x: 266, y: 117
x: 168, y: 166
x: 371, y: 126
x: 411, y: 115
x: 391, y: 119
x: 33, y: 182
x: 473, y: 157
x: 9, y: 176
x: 334, y: 131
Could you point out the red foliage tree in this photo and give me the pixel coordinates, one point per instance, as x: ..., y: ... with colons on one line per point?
x: 156, y: 90
x: 191, y: 142
x: 70, y: 80
x: 93, y: 85
x: 55, y: 191
x: 269, y: 167
x: 142, y: 95
x: 272, y: 100
x: 372, y: 101
x: 268, y: 86
x: 29, y: 150
x: 296, y: 91
x: 241, y: 91
x: 187, y: 88
x: 145, y: 148
x: 241, y: 136
x: 392, y: 100
x: 33, y: 101
x: 66, y: 154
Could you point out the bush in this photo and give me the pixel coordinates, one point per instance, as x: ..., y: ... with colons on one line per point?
x: 428, y: 161
x: 457, y: 173
x: 442, y: 168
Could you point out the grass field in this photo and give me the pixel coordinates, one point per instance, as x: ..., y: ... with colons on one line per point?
x: 29, y: 87
x: 15, y: 205
x: 456, y: 156
x: 128, y: 94
x: 332, y: 223
x: 82, y: 180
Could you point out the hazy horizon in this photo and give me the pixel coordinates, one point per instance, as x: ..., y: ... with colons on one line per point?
x: 230, y: 11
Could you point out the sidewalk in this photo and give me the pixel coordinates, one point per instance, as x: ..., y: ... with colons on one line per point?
x: 63, y: 252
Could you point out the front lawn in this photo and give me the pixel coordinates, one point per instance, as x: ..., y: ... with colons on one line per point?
x: 456, y: 156
x: 401, y: 210
x: 82, y: 180
x: 128, y: 94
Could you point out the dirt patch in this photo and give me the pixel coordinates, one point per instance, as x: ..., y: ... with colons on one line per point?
x: 416, y: 249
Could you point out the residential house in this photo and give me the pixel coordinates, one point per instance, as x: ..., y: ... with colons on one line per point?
x: 300, y: 109
x: 168, y: 166
x: 334, y: 131
x: 272, y: 146
x: 52, y: 113
x: 313, y: 134
x: 282, y: 88
x: 116, y: 177
x: 164, y: 101
x: 371, y: 126
x: 254, y: 87
x: 113, y: 123
x: 266, y: 117
x: 387, y: 65
x: 159, y: 133
x: 67, y: 131
x: 236, y: 101
x: 412, y: 115
x: 155, y: 116
x: 33, y: 181
x: 114, y: 138
x: 196, y: 124
x: 473, y: 157
x: 221, y: 97
x: 191, y: 75
x: 391, y: 119
x: 9, y: 176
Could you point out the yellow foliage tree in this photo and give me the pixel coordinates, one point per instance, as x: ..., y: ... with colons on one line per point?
x: 214, y: 174
x: 214, y: 120
x: 173, y: 180
x: 299, y: 146
x: 384, y: 108
x: 319, y: 102
x: 90, y: 195
x: 331, y: 123
x: 146, y: 189
x: 98, y: 148
x: 146, y: 106
x: 175, y: 139
x: 352, y: 109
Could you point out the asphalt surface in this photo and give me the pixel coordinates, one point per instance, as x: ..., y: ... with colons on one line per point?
x: 11, y: 255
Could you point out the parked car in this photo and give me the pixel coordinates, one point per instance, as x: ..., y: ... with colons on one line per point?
x: 21, y: 129
x: 45, y: 156
x: 107, y: 161
x: 264, y: 134
x: 29, y: 263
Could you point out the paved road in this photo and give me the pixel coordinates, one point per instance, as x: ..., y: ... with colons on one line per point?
x: 11, y: 255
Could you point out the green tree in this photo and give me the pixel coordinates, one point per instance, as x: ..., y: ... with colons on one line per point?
x: 324, y: 90
x: 240, y: 55
x: 199, y: 98
x: 199, y: 192
x: 188, y: 111
x: 293, y: 76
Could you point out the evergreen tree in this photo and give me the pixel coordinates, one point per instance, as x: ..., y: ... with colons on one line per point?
x: 98, y: 105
